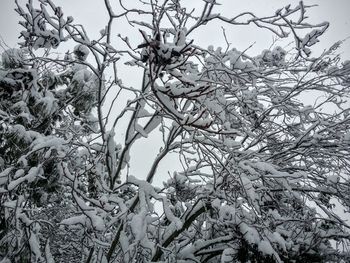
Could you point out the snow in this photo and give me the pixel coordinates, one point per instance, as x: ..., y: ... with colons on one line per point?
x: 346, y: 137
x: 32, y: 174
x: 227, y: 213
x: 5, y: 174
x: 221, y: 151
x: 140, y: 130
x: 13, y: 58
x: 265, y: 247
x: 170, y: 216
x: 248, y: 186
x: 199, y: 245
x: 138, y: 225
x: 49, y: 102
x: 228, y: 255
x: 145, y: 191
x: 22, y: 133
x: 48, y: 256
x: 19, y: 173
x: 143, y: 113
x: 249, y: 233
x: 124, y: 241
x: 333, y: 179
x: 311, y: 38
x: 180, y: 37
x: 74, y: 220
x: 89, y: 219
x: 51, y: 142
x: 277, y: 238
x: 111, y: 151
x: 81, y: 52
x: 35, y: 247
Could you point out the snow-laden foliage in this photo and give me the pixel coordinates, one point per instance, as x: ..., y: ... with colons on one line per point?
x: 262, y: 172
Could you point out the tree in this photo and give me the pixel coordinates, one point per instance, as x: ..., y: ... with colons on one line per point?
x: 263, y: 173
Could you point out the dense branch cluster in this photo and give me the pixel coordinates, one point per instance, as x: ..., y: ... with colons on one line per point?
x: 262, y: 171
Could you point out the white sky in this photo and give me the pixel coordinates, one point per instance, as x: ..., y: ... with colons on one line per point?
x: 92, y: 14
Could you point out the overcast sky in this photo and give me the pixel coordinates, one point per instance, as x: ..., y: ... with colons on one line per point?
x: 91, y: 13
